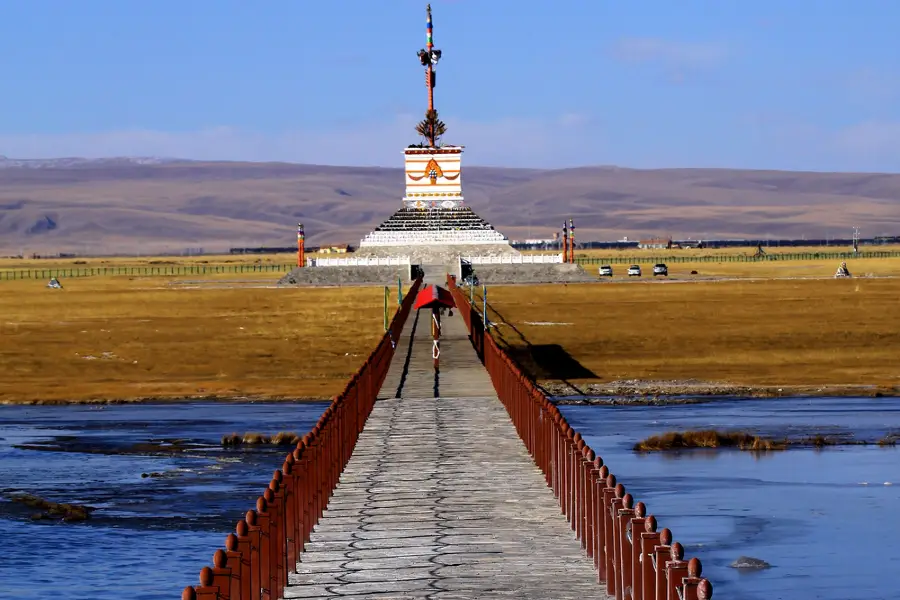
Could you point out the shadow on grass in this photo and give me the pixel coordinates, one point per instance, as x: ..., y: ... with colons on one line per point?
x: 549, y: 361
x: 542, y: 361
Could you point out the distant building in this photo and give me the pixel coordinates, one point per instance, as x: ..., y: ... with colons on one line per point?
x: 656, y: 244
x: 335, y: 249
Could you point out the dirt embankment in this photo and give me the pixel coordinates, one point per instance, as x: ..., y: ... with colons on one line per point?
x: 637, y: 391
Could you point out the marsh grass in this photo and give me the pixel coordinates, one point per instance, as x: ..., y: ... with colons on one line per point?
x: 890, y: 439
x: 119, y: 339
x: 53, y: 510
x: 282, y: 438
x: 708, y: 438
x: 816, y: 333
x: 711, y: 438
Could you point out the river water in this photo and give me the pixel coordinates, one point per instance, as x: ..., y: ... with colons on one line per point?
x: 149, y: 536
x: 823, y: 519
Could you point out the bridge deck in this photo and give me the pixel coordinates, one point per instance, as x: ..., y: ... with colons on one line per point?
x: 440, y: 498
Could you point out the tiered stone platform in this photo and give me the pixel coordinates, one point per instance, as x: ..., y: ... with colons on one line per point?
x: 435, y: 236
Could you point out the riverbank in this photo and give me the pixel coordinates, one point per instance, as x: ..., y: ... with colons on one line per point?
x: 154, y: 400
x: 663, y: 392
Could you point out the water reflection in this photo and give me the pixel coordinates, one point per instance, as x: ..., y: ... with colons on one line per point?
x: 149, y: 535
x: 822, y: 517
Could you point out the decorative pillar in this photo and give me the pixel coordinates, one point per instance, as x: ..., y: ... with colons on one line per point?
x: 572, y: 240
x: 301, y: 250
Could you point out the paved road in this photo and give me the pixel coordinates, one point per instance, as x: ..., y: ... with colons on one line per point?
x: 440, y: 499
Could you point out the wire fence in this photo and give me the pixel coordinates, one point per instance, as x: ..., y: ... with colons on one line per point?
x: 142, y: 271
x: 734, y: 258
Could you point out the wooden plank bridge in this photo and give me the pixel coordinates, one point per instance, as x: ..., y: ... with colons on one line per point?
x: 416, y: 484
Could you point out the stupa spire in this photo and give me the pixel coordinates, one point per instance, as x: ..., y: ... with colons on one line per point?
x: 431, y: 128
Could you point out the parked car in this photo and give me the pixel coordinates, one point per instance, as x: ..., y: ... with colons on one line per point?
x: 660, y: 269
x: 606, y: 271
x: 634, y: 271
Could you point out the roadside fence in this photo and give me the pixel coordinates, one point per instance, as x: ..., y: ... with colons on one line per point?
x: 266, y: 544
x: 739, y: 258
x: 633, y: 559
x: 142, y: 271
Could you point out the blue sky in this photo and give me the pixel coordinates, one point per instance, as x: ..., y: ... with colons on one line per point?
x: 784, y: 84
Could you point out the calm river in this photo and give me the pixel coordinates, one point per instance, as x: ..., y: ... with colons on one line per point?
x: 149, y: 537
x: 823, y: 519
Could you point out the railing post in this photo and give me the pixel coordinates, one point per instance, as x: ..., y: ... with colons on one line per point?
x: 625, y: 513
x: 650, y: 539
x: 259, y: 549
x: 275, y: 497
x: 244, y: 547
x: 587, y: 542
x: 615, y: 573
x: 636, y: 527
x: 676, y: 569
x: 658, y: 559
x: 695, y: 587
x: 609, y: 494
x: 599, y: 473
x: 222, y: 578
x: 266, y: 560
x: 206, y: 590
x: 289, y: 483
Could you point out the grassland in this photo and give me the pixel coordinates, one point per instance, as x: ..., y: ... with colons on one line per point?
x: 728, y: 267
x: 757, y: 337
x: 121, y: 338
x: 807, y: 268
x: 732, y: 251
x: 145, y: 261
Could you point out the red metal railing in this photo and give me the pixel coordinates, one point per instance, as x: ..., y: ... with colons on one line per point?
x: 633, y: 560
x: 266, y: 545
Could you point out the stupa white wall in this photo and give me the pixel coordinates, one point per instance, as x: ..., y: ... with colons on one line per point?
x: 433, y: 177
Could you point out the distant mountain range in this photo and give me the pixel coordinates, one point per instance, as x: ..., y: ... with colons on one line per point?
x: 152, y: 204
x: 75, y: 162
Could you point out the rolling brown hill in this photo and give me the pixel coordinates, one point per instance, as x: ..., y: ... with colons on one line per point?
x: 122, y: 206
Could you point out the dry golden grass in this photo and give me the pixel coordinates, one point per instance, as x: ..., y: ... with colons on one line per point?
x: 743, y: 333
x: 708, y: 438
x: 811, y: 268
x: 282, y: 438
x: 736, y: 251
x: 116, y: 338
x: 145, y: 261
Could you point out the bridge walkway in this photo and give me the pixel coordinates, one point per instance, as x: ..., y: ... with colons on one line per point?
x: 440, y: 499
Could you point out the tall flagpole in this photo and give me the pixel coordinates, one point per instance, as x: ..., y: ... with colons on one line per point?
x: 429, y: 46
x: 429, y: 58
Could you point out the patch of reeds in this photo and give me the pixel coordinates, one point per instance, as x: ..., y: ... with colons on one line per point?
x: 65, y: 511
x: 890, y: 439
x: 282, y: 438
x: 708, y: 438
x: 711, y: 438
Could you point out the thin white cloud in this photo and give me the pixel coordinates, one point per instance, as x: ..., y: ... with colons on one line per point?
x: 507, y: 142
x: 763, y: 140
x: 871, y: 138
x: 670, y: 53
